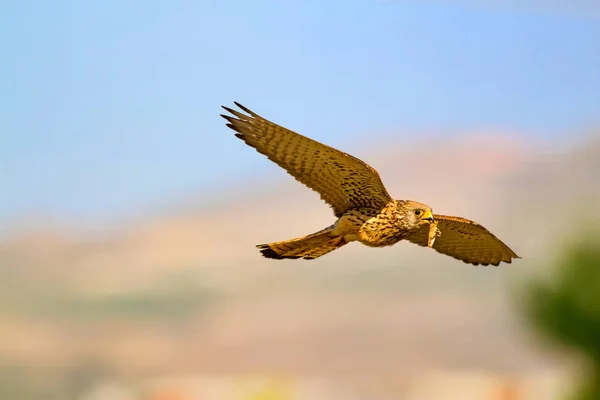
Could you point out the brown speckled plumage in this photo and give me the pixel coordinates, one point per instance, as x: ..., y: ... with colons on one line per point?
x: 365, y: 211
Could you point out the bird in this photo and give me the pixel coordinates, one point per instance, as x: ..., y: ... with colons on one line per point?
x: 364, y: 209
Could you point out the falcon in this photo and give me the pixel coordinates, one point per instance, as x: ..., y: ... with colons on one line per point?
x: 364, y: 209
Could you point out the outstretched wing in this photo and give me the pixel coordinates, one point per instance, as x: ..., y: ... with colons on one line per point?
x: 343, y: 181
x: 466, y: 241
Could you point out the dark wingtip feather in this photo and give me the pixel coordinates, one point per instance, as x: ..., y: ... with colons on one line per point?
x: 235, y: 128
x: 229, y: 110
x: 228, y: 117
x: 234, y: 113
x: 243, y: 108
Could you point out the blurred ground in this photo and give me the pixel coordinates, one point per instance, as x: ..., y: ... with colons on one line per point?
x: 181, y: 305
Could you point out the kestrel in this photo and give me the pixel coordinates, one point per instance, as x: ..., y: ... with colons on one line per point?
x: 365, y: 211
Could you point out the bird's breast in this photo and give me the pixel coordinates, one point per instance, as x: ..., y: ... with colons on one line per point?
x: 382, y: 230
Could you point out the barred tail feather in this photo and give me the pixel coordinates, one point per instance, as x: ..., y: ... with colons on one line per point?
x: 307, y: 247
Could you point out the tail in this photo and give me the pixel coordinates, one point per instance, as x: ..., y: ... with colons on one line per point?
x: 307, y: 247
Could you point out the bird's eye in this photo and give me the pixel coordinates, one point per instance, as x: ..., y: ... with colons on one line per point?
x: 418, y: 212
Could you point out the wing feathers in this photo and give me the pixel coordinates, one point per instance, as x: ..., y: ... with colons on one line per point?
x: 467, y: 241
x: 343, y: 181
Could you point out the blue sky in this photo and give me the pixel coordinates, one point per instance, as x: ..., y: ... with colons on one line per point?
x: 110, y: 108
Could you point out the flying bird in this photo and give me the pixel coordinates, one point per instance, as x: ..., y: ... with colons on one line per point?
x: 364, y: 209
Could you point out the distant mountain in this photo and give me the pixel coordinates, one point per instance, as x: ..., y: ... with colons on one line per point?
x: 395, y: 308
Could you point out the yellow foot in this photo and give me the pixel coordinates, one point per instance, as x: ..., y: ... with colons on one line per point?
x: 434, y: 232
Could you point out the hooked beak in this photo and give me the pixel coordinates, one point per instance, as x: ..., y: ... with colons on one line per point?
x: 428, y: 216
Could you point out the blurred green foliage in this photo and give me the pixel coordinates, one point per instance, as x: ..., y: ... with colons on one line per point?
x: 566, y: 309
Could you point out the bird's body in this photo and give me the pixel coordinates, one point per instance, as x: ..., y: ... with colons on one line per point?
x: 365, y: 211
x: 380, y: 228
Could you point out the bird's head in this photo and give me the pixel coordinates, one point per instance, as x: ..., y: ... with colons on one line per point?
x: 417, y: 214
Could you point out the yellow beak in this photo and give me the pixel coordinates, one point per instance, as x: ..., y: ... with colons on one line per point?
x: 428, y: 216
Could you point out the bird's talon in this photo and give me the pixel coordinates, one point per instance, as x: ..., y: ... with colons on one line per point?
x: 434, y: 232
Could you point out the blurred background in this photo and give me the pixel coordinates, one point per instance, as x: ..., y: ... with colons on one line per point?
x: 129, y: 212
